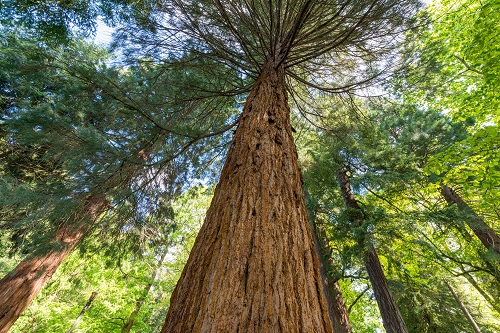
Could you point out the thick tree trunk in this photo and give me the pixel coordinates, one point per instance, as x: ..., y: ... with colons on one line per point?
x: 464, y: 309
x: 336, y: 305
x: 20, y: 286
x: 138, y: 305
x: 85, y: 308
x: 391, y: 316
x: 253, y: 267
x: 486, y: 235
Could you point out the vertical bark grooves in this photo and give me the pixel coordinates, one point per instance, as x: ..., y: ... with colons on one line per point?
x: 336, y: 304
x: 391, y: 316
x: 19, y: 287
x: 486, y: 235
x: 253, y: 267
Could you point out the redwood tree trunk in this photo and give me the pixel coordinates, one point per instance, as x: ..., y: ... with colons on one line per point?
x: 20, y: 286
x: 486, y: 235
x: 391, y: 316
x: 253, y: 267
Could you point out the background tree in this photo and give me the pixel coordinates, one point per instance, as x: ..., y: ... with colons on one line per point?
x: 387, y: 146
x: 102, y: 162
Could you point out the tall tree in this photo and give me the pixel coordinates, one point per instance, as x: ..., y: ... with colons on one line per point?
x: 391, y: 316
x: 254, y: 256
x: 85, y: 308
x: 486, y: 235
x: 253, y: 266
x: 106, y: 158
x: 464, y: 309
x: 20, y: 286
x: 336, y: 304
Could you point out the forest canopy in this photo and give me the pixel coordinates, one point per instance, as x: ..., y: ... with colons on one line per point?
x: 250, y: 166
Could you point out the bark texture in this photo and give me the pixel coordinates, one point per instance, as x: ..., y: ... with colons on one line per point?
x: 391, y: 316
x: 20, y: 286
x: 486, y: 235
x: 253, y: 267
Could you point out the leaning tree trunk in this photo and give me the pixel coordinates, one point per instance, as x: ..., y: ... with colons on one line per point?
x: 466, y: 312
x: 253, y: 267
x: 486, y: 235
x: 84, y: 310
x: 20, y: 286
x: 138, y: 304
x: 338, y: 311
x: 391, y: 316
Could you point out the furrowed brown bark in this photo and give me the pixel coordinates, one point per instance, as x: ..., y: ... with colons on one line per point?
x: 391, y: 316
x: 483, y: 232
x: 20, y: 286
x: 253, y: 267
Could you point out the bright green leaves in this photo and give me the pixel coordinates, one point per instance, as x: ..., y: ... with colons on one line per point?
x: 458, y: 60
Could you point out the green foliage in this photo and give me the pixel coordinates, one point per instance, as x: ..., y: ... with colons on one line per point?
x: 72, y: 124
x: 120, y: 284
x: 389, y: 150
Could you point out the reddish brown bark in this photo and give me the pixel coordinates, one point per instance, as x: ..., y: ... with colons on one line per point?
x: 253, y: 267
x: 20, y: 286
x: 484, y: 233
x: 391, y: 316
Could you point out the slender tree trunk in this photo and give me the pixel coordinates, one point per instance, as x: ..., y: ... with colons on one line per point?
x: 85, y: 308
x: 336, y: 304
x: 130, y: 322
x: 253, y: 267
x: 464, y: 309
x: 391, y: 316
x: 486, y: 235
x: 20, y: 286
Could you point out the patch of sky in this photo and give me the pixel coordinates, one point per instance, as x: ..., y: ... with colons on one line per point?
x: 103, y: 35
